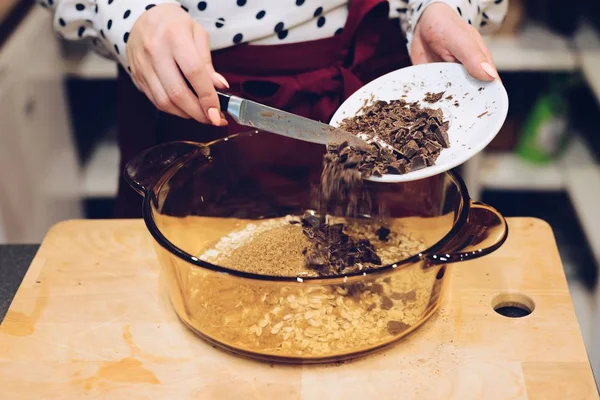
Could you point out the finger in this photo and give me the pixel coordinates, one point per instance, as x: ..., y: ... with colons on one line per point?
x: 175, y: 88
x: 143, y: 86
x: 194, y: 69
x: 138, y: 81
x: 484, y: 49
x: 202, y: 41
x: 219, y: 81
x: 418, y: 54
x: 422, y: 53
x: 487, y: 52
x: 159, y: 97
x: 466, y: 49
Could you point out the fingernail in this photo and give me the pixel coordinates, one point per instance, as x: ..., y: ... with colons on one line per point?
x: 491, y: 71
x: 214, y: 116
x: 221, y: 79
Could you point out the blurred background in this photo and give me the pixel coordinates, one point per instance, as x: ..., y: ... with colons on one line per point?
x: 59, y: 159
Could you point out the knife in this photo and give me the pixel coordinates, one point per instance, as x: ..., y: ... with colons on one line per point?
x: 269, y: 119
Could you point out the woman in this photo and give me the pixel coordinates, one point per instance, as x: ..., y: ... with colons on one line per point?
x: 305, y: 56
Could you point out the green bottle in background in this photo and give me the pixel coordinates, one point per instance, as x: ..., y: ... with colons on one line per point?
x: 545, y: 132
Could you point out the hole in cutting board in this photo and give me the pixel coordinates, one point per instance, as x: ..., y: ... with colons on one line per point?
x: 513, y: 305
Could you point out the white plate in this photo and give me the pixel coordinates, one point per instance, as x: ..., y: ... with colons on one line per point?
x: 473, y: 124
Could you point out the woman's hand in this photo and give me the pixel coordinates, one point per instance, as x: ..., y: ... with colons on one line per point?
x: 164, y: 43
x: 441, y: 35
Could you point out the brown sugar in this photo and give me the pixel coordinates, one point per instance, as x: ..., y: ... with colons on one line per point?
x: 276, y: 251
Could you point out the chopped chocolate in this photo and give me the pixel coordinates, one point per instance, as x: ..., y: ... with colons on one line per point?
x: 396, y: 327
x: 386, y: 303
x: 441, y: 134
x: 407, y: 137
x: 449, y: 97
x: 383, y: 233
x: 432, y: 146
x: 418, y: 162
x: 409, y: 149
x: 433, y: 97
x: 408, y: 296
x: 377, y: 288
x: 482, y: 114
x: 334, y: 252
x: 414, y: 132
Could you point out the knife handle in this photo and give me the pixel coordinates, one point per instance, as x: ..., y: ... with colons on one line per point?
x: 224, y: 101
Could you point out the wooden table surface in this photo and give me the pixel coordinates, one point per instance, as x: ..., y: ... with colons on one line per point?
x: 89, y: 321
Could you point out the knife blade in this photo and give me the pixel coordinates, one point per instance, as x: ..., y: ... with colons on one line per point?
x: 269, y: 119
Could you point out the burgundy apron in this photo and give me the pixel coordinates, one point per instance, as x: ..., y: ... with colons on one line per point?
x: 311, y: 79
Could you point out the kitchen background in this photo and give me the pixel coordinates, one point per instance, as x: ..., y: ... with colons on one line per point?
x: 59, y: 159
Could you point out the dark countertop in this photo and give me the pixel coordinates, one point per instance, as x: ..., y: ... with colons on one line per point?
x: 14, y: 262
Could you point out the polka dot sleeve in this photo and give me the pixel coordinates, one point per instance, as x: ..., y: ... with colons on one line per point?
x: 485, y: 15
x: 107, y: 22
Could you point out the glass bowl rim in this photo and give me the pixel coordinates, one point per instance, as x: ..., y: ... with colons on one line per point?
x: 150, y: 197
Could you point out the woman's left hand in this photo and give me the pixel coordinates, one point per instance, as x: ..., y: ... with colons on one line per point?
x: 441, y: 35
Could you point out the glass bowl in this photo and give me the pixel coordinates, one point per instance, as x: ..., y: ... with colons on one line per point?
x: 202, y: 200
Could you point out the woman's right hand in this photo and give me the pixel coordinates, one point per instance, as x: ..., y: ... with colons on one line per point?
x: 164, y: 41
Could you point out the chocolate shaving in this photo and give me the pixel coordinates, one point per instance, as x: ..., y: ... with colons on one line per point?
x: 433, y: 97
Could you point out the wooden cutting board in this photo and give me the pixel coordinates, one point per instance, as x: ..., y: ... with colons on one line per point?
x: 88, y: 322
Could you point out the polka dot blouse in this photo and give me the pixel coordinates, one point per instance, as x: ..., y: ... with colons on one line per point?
x: 232, y: 22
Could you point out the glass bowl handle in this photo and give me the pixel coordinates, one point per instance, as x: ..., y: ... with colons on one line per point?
x: 483, y: 233
x: 143, y: 171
